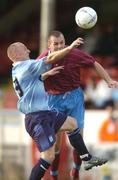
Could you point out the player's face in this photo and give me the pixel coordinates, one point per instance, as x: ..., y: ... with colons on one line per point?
x: 23, y: 52
x: 56, y: 43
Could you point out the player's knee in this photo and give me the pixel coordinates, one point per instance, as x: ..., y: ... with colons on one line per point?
x: 49, y: 156
x: 73, y: 123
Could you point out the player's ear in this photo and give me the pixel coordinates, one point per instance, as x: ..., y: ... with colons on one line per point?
x: 48, y: 44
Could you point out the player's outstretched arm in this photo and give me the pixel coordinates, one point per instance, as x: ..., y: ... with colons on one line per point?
x: 53, y: 57
x: 104, y: 75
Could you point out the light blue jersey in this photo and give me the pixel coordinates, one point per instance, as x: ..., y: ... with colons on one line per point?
x: 28, y: 86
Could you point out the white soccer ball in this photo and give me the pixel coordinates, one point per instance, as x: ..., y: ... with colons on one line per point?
x: 86, y: 17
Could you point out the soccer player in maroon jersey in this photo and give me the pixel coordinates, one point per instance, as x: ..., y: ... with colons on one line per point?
x: 64, y: 89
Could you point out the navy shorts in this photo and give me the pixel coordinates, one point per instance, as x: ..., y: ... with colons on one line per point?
x: 42, y: 127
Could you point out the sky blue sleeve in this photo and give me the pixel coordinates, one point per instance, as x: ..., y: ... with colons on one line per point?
x: 38, y: 67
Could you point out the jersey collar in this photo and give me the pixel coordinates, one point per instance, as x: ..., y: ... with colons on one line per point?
x: 16, y: 63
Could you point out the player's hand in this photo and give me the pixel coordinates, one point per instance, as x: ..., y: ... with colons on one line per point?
x: 51, y: 72
x: 113, y: 84
x: 55, y: 70
x: 77, y: 42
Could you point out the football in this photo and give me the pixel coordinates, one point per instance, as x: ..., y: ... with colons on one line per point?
x: 86, y: 17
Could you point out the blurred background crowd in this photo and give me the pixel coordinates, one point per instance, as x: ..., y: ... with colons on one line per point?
x: 29, y: 21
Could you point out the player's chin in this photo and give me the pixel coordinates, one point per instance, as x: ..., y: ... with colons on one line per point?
x: 56, y: 50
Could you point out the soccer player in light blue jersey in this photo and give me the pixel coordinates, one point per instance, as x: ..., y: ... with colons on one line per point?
x: 42, y: 123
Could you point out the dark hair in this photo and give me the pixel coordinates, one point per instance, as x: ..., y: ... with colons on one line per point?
x: 55, y: 34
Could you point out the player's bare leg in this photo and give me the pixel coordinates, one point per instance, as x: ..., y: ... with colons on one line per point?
x: 69, y: 124
x: 77, y: 142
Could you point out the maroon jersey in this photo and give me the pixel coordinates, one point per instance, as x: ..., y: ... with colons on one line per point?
x: 69, y: 78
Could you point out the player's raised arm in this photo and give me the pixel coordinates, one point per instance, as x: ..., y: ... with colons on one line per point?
x: 53, y: 57
x: 103, y: 74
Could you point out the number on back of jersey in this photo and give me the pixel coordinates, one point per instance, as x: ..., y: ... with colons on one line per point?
x: 17, y: 88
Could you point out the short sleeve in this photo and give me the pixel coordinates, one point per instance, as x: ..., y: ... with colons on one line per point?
x: 39, y: 67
